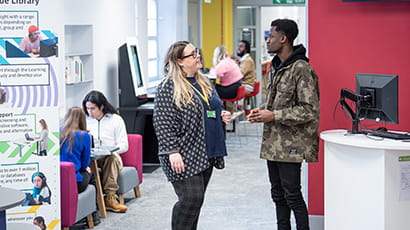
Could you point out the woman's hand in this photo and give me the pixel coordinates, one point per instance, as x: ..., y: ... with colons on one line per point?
x: 177, y: 164
x: 88, y: 170
x: 226, y: 116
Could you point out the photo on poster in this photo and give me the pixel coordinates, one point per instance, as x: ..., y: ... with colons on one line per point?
x: 41, y: 194
x: 24, y: 38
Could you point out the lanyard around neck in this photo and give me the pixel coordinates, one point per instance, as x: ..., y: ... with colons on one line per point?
x: 201, y: 94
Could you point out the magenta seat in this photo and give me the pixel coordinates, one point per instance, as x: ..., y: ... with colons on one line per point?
x: 133, y: 157
x: 75, y: 206
x: 69, y: 194
x: 131, y: 174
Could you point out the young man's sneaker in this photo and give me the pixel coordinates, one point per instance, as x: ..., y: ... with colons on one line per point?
x: 112, y: 204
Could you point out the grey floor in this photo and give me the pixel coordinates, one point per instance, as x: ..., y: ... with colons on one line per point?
x: 237, y: 198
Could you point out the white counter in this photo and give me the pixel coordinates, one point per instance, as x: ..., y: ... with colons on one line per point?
x: 362, y: 182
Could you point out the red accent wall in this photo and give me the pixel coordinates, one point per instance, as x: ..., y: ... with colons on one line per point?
x: 350, y: 37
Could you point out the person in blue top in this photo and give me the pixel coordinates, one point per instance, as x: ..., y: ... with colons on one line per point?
x: 75, y: 145
x: 188, y: 121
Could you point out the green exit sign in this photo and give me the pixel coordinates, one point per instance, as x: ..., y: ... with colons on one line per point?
x: 288, y: 1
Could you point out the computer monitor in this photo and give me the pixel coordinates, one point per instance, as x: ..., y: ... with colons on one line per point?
x: 131, y: 81
x: 48, y: 47
x: 376, y: 98
x: 382, y: 105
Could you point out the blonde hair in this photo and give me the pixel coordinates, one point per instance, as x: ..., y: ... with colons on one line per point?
x: 220, y: 53
x: 183, y: 93
x: 74, y: 120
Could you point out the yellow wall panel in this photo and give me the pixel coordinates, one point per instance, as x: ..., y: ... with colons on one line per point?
x: 217, y: 27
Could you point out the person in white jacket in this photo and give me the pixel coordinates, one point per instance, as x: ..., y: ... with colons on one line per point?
x: 107, y: 129
x: 43, y: 138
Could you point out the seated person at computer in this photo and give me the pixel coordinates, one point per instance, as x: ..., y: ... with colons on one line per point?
x: 43, y: 138
x: 108, y: 129
x: 31, y: 43
x: 228, y: 75
x: 75, y: 146
x: 41, y: 192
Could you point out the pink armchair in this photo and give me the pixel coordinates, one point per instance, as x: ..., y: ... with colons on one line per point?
x: 75, y: 206
x: 131, y: 174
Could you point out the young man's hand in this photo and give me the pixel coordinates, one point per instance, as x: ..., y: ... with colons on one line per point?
x: 260, y: 115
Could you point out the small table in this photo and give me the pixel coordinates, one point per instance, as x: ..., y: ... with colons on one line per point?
x: 100, y: 194
x: 20, y: 226
x: 9, y: 198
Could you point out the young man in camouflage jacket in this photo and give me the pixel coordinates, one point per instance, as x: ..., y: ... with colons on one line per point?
x: 291, y: 122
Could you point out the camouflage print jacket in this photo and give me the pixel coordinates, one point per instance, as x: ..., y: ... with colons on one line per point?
x: 293, y: 96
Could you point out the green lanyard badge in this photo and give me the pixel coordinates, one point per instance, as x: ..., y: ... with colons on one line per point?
x: 211, y: 113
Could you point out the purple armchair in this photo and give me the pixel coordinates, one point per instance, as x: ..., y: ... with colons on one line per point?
x: 75, y: 206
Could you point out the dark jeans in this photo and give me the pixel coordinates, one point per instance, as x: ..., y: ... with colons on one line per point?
x: 229, y: 91
x: 88, y: 178
x: 286, y: 193
x: 191, y: 194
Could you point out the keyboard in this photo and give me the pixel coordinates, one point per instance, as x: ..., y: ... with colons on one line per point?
x: 396, y: 135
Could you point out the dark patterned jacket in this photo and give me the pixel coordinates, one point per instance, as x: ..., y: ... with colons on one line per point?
x: 179, y: 131
x: 293, y: 96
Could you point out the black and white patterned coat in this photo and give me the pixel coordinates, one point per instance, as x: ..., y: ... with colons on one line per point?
x: 179, y: 131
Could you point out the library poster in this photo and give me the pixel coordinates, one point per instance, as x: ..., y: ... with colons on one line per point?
x: 30, y: 85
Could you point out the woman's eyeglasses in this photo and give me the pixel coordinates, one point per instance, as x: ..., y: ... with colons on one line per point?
x: 194, y: 54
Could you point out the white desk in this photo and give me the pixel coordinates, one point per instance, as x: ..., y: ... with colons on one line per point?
x: 210, y: 76
x: 21, y: 226
x: 21, y: 143
x: 9, y: 198
x: 362, y: 183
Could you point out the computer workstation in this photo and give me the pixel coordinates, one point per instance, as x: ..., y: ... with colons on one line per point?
x: 376, y: 99
x: 136, y: 106
x: 362, y: 165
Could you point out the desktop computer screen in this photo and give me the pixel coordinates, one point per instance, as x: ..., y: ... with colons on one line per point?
x: 376, y: 98
x: 132, y: 89
x: 382, y: 93
x: 48, y: 47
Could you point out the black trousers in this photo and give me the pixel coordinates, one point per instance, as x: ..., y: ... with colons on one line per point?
x: 88, y: 178
x: 191, y: 194
x: 286, y: 193
x: 228, y: 92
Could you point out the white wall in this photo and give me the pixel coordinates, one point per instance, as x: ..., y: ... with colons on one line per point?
x: 113, y: 22
x: 172, y: 24
x: 296, y: 13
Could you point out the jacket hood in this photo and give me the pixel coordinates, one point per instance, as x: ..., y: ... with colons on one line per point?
x: 299, y: 52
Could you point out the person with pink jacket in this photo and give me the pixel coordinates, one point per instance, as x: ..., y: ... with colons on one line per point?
x: 228, y: 74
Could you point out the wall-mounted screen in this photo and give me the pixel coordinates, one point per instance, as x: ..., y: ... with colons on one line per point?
x: 131, y: 79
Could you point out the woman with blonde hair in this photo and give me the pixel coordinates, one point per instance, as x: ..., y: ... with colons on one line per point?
x: 228, y: 75
x: 188, y: 121
x: 75, y: 145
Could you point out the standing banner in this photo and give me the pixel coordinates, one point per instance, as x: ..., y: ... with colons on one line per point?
x: 31, y: 81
